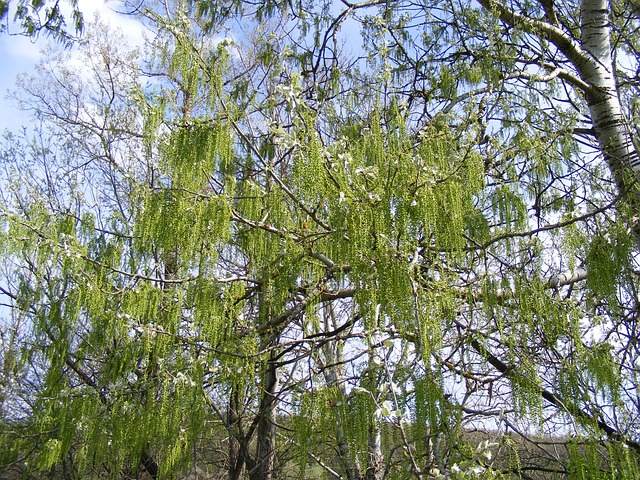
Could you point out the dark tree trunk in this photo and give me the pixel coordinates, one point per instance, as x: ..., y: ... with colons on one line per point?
x: 266, y: 442
x: 235, y: 463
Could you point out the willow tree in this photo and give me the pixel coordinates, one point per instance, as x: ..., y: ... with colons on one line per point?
x: 266, y: 247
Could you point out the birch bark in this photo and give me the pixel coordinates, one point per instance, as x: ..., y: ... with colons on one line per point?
x: 591, y: 58
x: 609, y: 123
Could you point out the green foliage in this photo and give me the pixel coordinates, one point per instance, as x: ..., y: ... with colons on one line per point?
x: 606, y: 259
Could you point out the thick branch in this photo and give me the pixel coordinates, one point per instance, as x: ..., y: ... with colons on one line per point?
x: 555, y: 400
x: 567, y: 45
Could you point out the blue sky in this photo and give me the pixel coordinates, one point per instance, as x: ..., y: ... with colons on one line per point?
x: 17, y: 54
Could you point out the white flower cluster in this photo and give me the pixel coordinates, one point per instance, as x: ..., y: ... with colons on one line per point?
x: 283, y: 138
x: 469, y: 469
x: 292, y: 94
x: 182, y: 378
x: 386, y: 410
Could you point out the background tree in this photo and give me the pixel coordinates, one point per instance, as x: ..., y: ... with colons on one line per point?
x: 303, y: 248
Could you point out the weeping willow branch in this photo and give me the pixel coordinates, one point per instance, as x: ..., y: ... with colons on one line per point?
x: 561, y: 403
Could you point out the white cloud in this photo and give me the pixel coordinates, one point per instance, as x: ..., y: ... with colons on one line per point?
x: 112, y: 13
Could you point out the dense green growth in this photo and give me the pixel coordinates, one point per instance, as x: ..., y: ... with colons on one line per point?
x: 253, y: 250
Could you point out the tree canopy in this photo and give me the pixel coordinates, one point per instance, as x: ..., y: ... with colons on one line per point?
x: 360, y: 240
x: 41, y: 16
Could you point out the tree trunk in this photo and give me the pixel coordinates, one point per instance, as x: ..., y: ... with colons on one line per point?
x: 235, y: 463
x: 376, y: 459
x: 333, y: 375
x: 591, y: 57
x: 149, y: 464
x: 609, y: 123
x: 266, y: 442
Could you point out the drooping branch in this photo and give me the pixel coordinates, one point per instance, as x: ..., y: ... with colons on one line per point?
x: 557, y: 401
